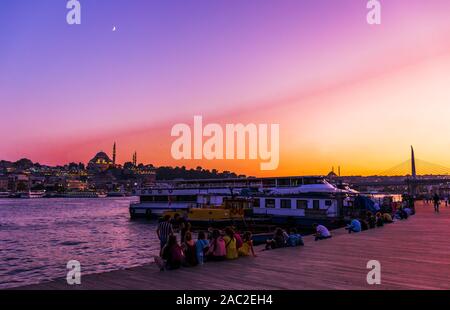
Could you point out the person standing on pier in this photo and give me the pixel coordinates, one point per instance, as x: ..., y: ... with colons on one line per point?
x: 164, y: 230
x: 437, y: 202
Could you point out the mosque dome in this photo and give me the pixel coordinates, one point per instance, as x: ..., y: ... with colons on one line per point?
x: 101, y: 158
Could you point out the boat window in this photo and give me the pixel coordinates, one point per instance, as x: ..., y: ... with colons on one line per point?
x: 256, y: 203
x: 147, y: 198
x: 309, y: 181
x: 283, y: 182
x: 302, y: 204
x: 164, y: 198
x: 184, y: 198
x: 285, y: 203
x: 316, y: 204
x: 328, y: 203
x: 268, y: 183
x: 296, y: 182
x: 270, y: 203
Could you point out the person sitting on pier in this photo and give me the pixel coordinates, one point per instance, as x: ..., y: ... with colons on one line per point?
x: 230, y: 243
x: 172, y: 255
x: 364, y: 225
x: 217, y: 250
x: 278, y: 241
x: 294, y: 239
x: 190, y: 251
x: 371, y: 219
x: 355, y: 226
x: 247, y: 245
x: 401, y: 214
x: 164, y: 230
x: 321, y: 232
x: 239, y: 241
x: 185, y: 227
x: 379, y: 219
x: 201, y: 247
x: 387, y: 218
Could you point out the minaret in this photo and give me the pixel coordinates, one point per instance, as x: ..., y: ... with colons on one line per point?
x: 114, y: 154
x: 135, y: 159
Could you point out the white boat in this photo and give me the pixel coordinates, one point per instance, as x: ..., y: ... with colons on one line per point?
x: 5, y: 194
x: 301, y: 198
x: 81, y: 194
x: 32, y: 194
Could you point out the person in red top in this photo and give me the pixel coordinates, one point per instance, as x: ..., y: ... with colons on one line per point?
x: 172, y: 255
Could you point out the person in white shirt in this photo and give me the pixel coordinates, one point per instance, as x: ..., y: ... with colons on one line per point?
x: 321, y: 232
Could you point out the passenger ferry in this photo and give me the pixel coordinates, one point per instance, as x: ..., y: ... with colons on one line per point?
x: 300, y: 200
x: 5, y: 195
x: 32, y: 194
x: 80, y: 194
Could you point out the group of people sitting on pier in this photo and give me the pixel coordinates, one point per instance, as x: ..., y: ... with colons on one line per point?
x: 371, y: 221
x: 217, y: 245
x: 282, y: 239
x: 213, y: 245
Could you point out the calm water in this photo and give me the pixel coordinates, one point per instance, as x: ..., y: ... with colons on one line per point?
x: 39, y: 236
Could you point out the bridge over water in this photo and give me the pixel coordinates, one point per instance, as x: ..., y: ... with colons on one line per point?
x: 412, y: 172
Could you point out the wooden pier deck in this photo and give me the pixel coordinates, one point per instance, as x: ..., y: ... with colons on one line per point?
x: 414, y: 254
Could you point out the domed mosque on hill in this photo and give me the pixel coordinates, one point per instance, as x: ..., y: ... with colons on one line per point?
x: 102, y: 162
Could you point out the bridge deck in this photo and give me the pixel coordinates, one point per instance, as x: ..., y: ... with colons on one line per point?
x: 414, y: 254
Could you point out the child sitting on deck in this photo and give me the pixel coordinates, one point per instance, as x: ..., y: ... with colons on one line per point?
x: 294, y: 239
x: 278, y: 241
x: 230, y: 244
x: 216, y: 251
x: 201, y: 247
x: 190, y: 251
x: 172, y: 255
x: 247, y: 245
x: 321, y: 232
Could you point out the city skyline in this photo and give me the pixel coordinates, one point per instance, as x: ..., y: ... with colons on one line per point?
x: 344, y: 93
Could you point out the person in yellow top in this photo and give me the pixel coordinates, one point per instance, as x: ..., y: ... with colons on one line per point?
x: 247, y: 246
x: 230, y: 244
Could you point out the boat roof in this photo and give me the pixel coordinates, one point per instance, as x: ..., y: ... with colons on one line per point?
x: 241, y: 179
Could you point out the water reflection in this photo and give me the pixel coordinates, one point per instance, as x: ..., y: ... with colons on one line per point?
x: 39, y: 236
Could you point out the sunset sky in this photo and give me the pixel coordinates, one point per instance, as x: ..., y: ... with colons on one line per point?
x: 344, y: 92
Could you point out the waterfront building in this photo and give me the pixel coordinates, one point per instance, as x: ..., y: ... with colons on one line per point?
x: 75, y: 185
x: 4, y: 183
x: 19, y: 182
